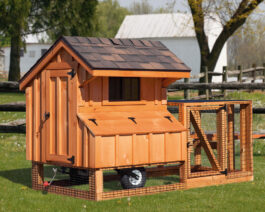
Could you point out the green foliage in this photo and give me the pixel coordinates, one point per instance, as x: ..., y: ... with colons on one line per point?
x: 19, y: 18
x: 109, y: 16
x: 74, y: 18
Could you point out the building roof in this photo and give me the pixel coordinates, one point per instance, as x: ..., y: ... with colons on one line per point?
x: 157, y: 25
x: 104, y: 53
x: 166, y: 26
x: 114, y: 57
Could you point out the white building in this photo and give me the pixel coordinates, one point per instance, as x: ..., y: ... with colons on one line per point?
x: 176, y: 32
x: 2, y: 60
x: 27, y: 58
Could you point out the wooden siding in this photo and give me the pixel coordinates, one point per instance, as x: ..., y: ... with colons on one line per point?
x: 127, y: 150
x: 89, y: 150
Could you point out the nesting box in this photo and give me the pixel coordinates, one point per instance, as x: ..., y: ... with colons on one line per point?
x: 102, y: 103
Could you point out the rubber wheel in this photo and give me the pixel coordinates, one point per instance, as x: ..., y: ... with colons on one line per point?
x: 79, y: 176
x: 133, y: 178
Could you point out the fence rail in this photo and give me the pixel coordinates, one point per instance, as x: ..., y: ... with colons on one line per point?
x: 250, y: 73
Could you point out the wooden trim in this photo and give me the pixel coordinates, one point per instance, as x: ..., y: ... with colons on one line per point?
x: 87, y: 82
x: 140, y: 73
x: 58, y: 66
x: 44, y: 61
x: 167, y: 81
x: 205, y: 142
x: 141, y: 102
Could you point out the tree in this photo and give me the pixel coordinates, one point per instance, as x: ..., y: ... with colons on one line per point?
x: 75, y: 18
x: 144, y: 7
x: 13, y: 24
x: 233, y: 14
x: 247, y: 45
x: 108, y: 18
x: 19, y: 18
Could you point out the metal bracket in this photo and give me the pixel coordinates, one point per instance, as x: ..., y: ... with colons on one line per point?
x: 72, y: 73
x: 224, y: 172
x: 133, y: 119
x: 169, y: 118
x: 71, y: 159
x: 94, y: 121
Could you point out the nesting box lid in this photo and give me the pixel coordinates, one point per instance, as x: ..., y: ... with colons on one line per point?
x: 115, y: 57
x: 124, y: 123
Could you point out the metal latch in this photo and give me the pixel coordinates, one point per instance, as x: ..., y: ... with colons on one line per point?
x: 46, y: 115
x: 71, y: 159
x: 71, y: 73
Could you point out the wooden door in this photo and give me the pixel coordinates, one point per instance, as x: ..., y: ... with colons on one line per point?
x: 58, y: 122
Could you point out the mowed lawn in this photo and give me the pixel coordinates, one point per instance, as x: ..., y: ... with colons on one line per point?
x: 16, y: 193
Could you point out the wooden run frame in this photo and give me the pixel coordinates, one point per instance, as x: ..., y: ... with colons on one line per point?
x: 222, y: 170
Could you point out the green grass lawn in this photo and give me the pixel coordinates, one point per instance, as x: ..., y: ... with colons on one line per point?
x: 16, y: 193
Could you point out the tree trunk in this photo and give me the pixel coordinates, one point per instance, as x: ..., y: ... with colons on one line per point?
x: 14, y: 65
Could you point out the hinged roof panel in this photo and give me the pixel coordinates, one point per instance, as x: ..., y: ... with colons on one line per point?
x: 127, y: 123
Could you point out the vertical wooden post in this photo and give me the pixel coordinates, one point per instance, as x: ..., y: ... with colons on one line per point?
x: 224, y: 79
x: 230, y: 140
x: 95, y: 184
x: 264, y: 72
x: 221, y: 138
x: 37, y: 175
x: 183, y: 173
x: 240, y: 75
x: 198, y: 147
x: 243, y: 129
x: 206, y: 81
x: 187, y: 91
x: 249, y: 141
x: 254, y: 73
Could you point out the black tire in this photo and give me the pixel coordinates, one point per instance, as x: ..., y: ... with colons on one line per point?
x: 79, y: 176
x: 133, y: 178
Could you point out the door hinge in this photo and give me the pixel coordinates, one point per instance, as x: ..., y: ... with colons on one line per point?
x: 46, y: 115
x: 71, y: 159
x: 71, y: 73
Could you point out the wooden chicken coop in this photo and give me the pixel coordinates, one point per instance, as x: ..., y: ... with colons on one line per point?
x: 98, y: 104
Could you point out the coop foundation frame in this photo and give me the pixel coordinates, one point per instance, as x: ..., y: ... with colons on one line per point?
x: 191, y: 175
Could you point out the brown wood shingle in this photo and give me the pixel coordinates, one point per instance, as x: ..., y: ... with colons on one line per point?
x: 104, y: 53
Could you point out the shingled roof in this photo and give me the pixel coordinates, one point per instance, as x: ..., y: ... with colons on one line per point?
x: 124, y: 54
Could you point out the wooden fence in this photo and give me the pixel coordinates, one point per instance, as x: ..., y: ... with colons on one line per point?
x: 18, y: 126
x: 242, y: 76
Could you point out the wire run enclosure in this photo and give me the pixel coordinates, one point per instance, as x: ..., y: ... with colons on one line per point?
x: 218, y: 148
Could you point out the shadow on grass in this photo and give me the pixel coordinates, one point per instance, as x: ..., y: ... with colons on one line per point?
x: 18, y: 176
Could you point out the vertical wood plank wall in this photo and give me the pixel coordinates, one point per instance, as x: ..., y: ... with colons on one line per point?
x: 125, y: 150
x: 33, y: 120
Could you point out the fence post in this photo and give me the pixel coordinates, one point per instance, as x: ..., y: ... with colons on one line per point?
x: 186, y: 91
x: 264, y: 72
x: 206, y: 81
x: 240, y: 75
x: 254, y: 73
x: 225, y: 76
